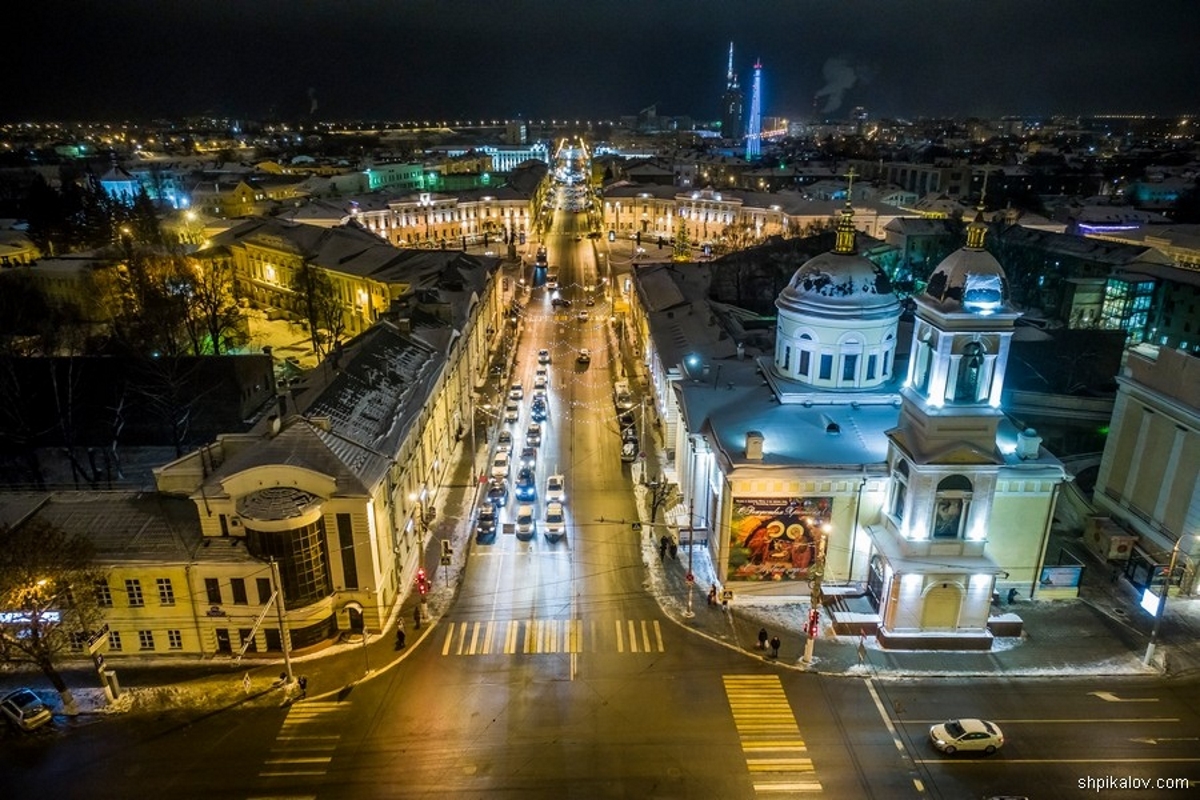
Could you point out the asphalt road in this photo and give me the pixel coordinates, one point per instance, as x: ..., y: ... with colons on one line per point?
x: 555, y: 675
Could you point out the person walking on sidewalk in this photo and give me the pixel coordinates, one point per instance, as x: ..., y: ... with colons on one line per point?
x: 302, y: 682
x: 400, y: 635
x: 762, y: 638
x: 712, y: 595
x: 417, y: 616
x: 775, y: 647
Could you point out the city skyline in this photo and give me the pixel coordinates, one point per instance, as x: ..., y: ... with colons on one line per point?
x: 523, y: 58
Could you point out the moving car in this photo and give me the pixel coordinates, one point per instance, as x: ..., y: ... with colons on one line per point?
x: 500, y: 465
x: 543, y: 356
x: 504, y: 442
x: 497, y: 493
x: 533, y: 436
x: 583, y: 315
x: 622, y: 397
x: 526, y: 527
x: 25, y: 710
x: 526, y: 484
x: 512, y: 411
x: 556, y: 489
x: 485, y: 524
x: 539, y: 381
x: 556, y: 522
x: 560, y: 301
x: 585, y: 356
x: 966, y: 734
x: 537, y: 411
x: 529, y: 457
x: 629, y: 450
x: 516, y: 392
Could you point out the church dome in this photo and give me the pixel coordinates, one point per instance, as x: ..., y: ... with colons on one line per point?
x: 839, y: 285
x: 970, y: 278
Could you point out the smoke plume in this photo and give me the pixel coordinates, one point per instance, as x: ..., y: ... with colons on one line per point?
x: 312, y: 101
x: 840, y: 76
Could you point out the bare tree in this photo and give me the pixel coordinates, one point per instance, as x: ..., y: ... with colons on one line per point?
x: 47, y: 583
x: 213, y: 317
x: 321, y: 306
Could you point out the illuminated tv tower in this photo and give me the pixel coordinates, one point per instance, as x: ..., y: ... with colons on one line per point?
x: 731, y: 103
x: 754, y: 123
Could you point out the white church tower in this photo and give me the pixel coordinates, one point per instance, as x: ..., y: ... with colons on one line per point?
x: 933, y: 574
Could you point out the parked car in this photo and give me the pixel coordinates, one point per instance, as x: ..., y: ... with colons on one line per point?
x: 526, y: 527
x: 504, y: 442
x: 485, y: 524
x: 500, y: 465
x: 556, y: 489
x: 543, y: 356
x: 529, y: 457
x: 25, y: 710
x: 556, y: 522
x: 584, y: 357
x: 966, y: 734
x: 497, y: 493
x: 629, y: 450
x: 533, y: 436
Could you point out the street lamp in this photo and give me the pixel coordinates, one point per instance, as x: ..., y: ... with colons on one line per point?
x: 1160, y: 611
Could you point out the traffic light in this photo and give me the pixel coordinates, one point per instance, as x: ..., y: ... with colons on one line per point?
x: 814, y: 623
x: 422, y: 582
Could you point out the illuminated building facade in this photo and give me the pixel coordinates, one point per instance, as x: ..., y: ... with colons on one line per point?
x: 731, y: 103
x: 754, y: 121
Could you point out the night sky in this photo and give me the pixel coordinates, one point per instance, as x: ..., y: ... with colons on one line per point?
x: 451, y: 59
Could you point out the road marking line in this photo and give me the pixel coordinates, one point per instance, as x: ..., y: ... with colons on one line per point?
x: 788, y: 787
x: 462, y: 636
x: 1193, y: 760
x: 309, y: 760
x: 658, y: 637
x: 289, y: 774
x: 306, y: 738
x: 474, y: 648
x: 528, y: 626
x: 632, y: 637
x: 510, y: 637
x: 770, y: 736
x: 620, y: 637
x: 1086, y: 721
x: 645, y: 637
x: 487, y: 639
x: 303, y: 748
x: 449, y: 639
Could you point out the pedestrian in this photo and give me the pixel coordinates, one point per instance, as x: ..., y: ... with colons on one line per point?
x: 662, y: 548
x: 1012, y: 596
x: 762, y: 638
x: 674, y: 550
x: 400, y: 636
x: 775, y: 647
x: 303, y: 684
x: 712, y: 595
x: 417, y: 616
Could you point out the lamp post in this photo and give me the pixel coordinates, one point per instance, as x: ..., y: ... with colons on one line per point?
x: 1160, y: 611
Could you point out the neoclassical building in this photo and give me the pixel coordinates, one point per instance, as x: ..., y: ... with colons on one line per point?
x: 890, y: 464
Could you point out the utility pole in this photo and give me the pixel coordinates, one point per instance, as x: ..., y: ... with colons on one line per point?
x: 1160, y: 612
x: 691, y: 576
x: 280, y: 611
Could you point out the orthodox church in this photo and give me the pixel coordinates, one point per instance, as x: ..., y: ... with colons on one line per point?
x: 880, y: 461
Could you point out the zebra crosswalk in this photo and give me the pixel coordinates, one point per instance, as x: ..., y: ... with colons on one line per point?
x: 776, y: 754
x: 528, y: 637
x: 304, y: 746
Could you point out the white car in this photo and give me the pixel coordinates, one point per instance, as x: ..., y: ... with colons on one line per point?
x: 583, y: 315
x: 512, y: 411
x: 967, y: 734
x: 500, y: 465
x: 504, y: 442
x: 526, y: 527
x: 539, y: 383
x: 556, y: 522
x: 533, y: 435
x: 543, y: 356
x: 585, y: 356
x: 25, y: 710
x: 556, y: 489
x: 516, y: 392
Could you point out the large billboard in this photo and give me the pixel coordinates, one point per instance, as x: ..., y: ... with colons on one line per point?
x: 775, y: 538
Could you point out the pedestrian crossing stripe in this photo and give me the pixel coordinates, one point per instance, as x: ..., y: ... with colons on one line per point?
x: 550, y: 636
x: 304, y: 750
x: 776, y: 754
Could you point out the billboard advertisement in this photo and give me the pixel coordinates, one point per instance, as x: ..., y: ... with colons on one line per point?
x: 775, y: 538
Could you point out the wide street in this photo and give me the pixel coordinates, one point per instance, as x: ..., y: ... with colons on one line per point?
x: 556, y: 675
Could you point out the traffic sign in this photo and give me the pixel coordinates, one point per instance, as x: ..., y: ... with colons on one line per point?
x: 97, y: 640
x: 637, y: 526
x: 691, y: 578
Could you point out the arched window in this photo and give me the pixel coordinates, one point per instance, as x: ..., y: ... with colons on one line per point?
x: 899, y: 488
x: 970, y: 372
x: 951, y: 504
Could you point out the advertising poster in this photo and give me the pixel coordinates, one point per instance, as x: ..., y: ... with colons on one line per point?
x: 775, y: 538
